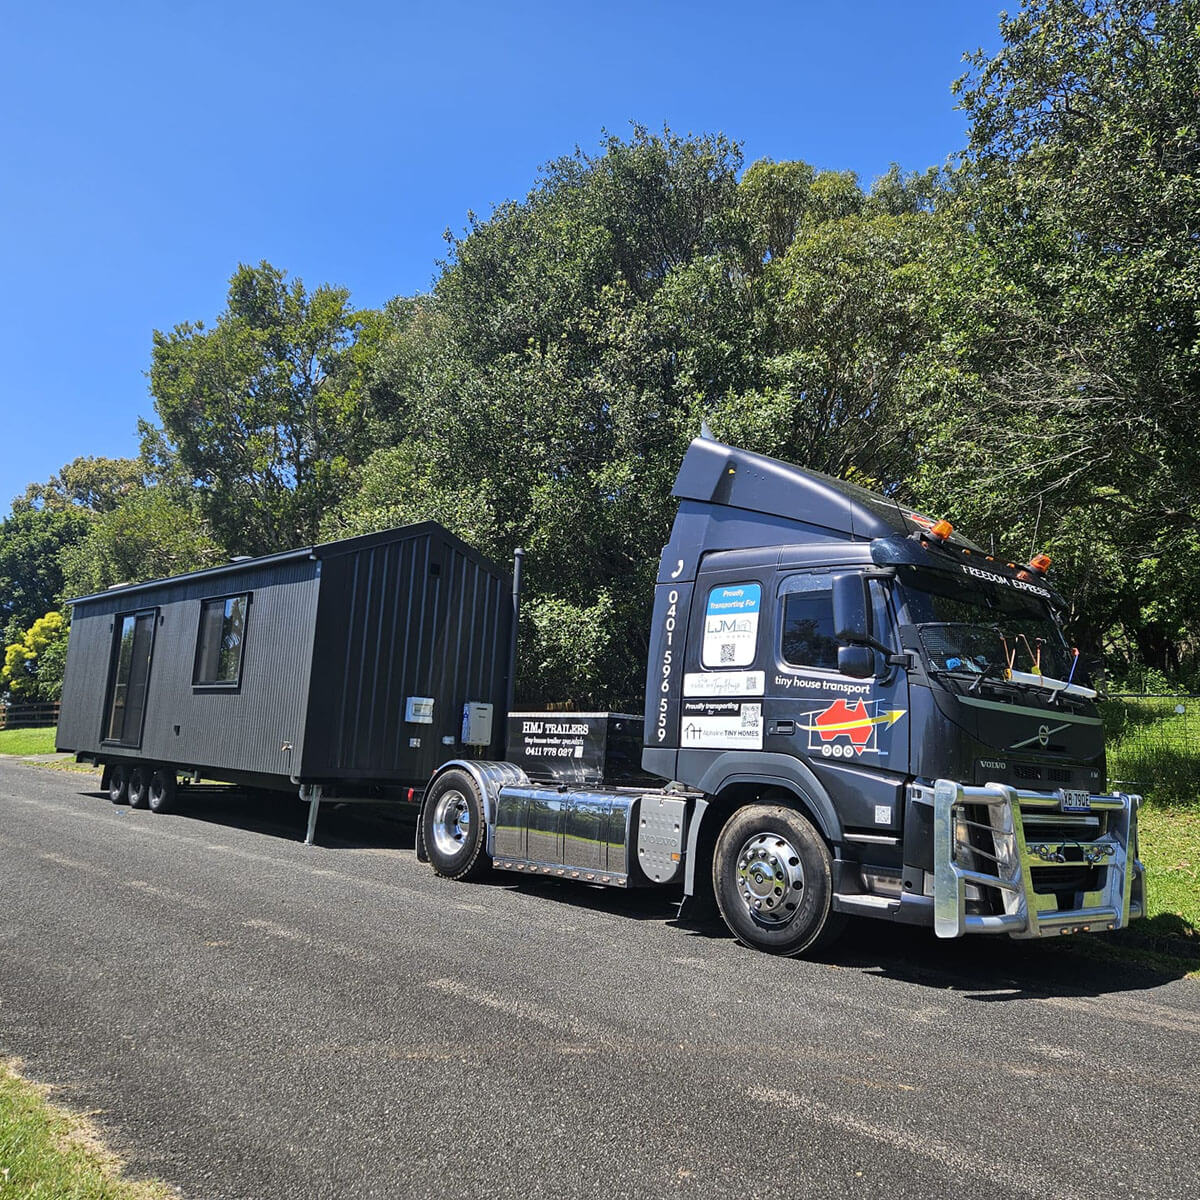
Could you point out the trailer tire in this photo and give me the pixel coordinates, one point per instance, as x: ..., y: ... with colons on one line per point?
x: 118, y: 784
x: 161, y: 796
x: 773, y: 879
x: 454, y: 828
x: 137, y: 787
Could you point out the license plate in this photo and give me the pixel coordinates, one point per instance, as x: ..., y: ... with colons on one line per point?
x: 1074, y: 801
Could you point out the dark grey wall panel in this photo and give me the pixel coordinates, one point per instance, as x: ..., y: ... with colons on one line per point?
x: 242, y: 729
x: 424, y: 616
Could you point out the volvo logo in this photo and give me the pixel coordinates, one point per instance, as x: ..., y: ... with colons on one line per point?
x: 1042, y: 737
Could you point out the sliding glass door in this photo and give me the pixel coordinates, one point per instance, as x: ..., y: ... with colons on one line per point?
x: 130, y: 675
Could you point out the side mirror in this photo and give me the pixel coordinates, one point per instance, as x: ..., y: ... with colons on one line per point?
x: 850, y: 609
x: 856, y: 661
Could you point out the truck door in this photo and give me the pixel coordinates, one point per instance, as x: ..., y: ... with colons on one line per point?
x: 853, y: 733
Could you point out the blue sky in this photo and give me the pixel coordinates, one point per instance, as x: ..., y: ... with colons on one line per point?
x: 148, y: 148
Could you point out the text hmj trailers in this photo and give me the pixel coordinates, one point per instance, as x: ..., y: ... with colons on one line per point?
x: 850, y: 710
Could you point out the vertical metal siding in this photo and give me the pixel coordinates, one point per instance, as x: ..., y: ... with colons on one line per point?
x: 418, y: 616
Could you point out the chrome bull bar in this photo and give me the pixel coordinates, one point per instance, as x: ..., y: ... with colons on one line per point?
x: 978, y: 855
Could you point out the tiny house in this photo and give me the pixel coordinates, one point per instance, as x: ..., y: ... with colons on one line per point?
x: 355, y: 667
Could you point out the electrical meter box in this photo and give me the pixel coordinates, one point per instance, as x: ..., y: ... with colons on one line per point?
x: 477, y: 724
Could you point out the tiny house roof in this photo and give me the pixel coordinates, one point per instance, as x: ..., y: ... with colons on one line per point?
x: 321, y: 550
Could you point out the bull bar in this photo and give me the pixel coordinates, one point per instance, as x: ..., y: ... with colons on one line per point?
x: 975, y: 855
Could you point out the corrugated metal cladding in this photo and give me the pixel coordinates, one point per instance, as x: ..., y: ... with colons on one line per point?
x: 423, y: 616
x: 337, y: 639
x: 241, y: 730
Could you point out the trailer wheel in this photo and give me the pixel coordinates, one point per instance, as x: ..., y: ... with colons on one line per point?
x: 453, y: 825
x: 161, y: 796
x: 773, y: 878
x: 118, y: 784
x: 138, y: 785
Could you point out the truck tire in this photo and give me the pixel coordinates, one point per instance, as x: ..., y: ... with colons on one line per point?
x: 161, y: 796
x: 118, y: 784
x: 453, y: 826
x: 773, y: 879
x: 138, y: 786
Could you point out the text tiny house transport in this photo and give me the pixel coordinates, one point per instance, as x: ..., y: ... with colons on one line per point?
x: 850, y: 710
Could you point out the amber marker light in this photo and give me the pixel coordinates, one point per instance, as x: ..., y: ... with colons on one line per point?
x: 1040, y: 563
x: 942, y: 530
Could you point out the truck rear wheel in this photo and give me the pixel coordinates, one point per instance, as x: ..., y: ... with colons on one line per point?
x: 118, y: 784
x: 773, y: 878
x: 138, y: 786
x: 454, y: 828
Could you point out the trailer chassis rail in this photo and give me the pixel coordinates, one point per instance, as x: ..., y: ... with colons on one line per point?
x: 975, y: 859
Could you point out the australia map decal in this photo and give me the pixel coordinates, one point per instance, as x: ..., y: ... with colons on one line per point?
x: 844, y: 730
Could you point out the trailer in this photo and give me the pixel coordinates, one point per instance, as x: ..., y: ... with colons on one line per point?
x: 850, y: 710
x: 349, y: 669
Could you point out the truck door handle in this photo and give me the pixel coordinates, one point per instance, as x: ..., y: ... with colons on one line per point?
x: 781, y: 728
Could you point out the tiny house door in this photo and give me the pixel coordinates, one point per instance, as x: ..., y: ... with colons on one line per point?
x: 129, y: 677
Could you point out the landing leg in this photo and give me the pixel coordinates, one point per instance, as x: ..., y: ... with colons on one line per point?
x: 311, y: 793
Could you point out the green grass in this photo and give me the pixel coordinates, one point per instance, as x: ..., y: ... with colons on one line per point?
x: 49, y: 1154
x: 27, y: 741
x: 1156, y: 751
x: 1154, y: 747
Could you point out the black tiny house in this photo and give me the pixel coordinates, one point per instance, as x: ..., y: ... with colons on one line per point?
x: 347, y: 665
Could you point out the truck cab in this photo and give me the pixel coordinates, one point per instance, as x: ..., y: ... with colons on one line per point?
x: 821, y: 647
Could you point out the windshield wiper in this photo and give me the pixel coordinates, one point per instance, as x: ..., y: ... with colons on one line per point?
x: 993, y: 671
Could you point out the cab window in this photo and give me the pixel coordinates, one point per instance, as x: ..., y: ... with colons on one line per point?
x: 808, y: 639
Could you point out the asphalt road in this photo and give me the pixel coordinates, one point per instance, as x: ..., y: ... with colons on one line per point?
x: 247, y: 1017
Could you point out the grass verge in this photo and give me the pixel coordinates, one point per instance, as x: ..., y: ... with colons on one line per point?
x: 47, y: 1153
x: 27, y: 741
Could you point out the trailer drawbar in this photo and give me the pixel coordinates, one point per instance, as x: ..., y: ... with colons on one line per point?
x: 850, y: 710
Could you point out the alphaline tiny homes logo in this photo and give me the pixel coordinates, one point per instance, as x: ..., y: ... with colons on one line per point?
x: 844, y: 730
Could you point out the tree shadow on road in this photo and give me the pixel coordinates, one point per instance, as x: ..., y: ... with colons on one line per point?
x: 997, y: 969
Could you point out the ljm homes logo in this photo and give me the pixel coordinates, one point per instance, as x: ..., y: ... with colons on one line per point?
x: 848, y: 730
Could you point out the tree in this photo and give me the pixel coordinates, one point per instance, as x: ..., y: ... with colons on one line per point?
x: 94, y: 484
x: 265, y: 412
x: 1062, y: 384
x: 33, y: 665
x: 31, y: 578
x: 155, y: 533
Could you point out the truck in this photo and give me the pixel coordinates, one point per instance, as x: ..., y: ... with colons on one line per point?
x: 851, y: 710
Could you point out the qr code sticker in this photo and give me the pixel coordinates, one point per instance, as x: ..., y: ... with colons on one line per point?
x: 728, y: 652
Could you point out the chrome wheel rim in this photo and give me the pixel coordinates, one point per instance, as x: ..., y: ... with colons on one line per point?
x: 451, y: 822
x: 770, y: 879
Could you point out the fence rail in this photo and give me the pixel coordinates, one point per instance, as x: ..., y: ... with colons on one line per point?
x: 28, y: 716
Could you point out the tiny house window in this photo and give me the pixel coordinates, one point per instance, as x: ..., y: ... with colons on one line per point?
x: 808, y: 639
x: 220, y: 641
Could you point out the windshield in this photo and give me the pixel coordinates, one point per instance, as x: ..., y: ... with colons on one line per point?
x: 974, y: 628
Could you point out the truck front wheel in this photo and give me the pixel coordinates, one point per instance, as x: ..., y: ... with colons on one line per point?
x: 454, y: 828
x: 773, y: 878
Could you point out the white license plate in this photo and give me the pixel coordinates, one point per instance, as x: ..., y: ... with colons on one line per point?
x: 1074, y: 801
